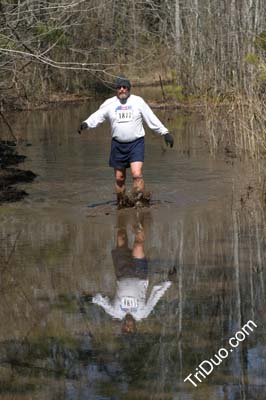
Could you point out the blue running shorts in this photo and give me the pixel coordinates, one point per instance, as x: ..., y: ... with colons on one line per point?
x: 122, y: 154
x: 127, y: 266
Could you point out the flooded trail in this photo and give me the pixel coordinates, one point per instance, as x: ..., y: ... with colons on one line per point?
x: 190, y: 270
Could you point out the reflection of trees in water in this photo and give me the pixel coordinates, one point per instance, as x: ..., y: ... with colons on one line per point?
x: 29, y: 262
x: 47, y: 356
x: 219, y: 286
x: 233, y: 294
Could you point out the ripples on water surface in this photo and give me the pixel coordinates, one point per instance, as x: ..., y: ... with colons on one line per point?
x: 197, y: 274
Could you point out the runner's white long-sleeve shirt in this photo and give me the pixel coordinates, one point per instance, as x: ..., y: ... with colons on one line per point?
x: 126, y: 119
x: 131, y: 298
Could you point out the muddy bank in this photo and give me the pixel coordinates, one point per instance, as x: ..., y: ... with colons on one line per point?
x: 43, y: 103
x: 10, y: 176
x: 59, y: 99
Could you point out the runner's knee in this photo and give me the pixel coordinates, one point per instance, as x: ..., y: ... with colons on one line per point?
x: 120, y: 181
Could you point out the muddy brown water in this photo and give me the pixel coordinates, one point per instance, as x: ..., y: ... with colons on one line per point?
x: 196, y: 278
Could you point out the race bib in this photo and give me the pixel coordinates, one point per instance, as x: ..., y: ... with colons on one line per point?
x: 129, y: 303
x: 124, y: 113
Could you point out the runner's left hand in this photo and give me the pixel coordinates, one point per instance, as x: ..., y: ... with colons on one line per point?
x: 83, y: 125
x: 169, y: 140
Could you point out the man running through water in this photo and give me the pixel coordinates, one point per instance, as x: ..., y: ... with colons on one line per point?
x: 126, y: 113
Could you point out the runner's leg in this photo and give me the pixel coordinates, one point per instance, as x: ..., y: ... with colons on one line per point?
x: 120, y: 184
x: 138, y: 181
x: 121, y: 234
x: 138, y: 247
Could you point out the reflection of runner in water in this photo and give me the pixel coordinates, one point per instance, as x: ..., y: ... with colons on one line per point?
x: 131, y: 302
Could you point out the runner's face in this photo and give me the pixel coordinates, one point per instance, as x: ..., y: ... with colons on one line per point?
x: 122, y: 92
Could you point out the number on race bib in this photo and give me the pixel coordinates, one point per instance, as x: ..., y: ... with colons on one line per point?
x: 124, y: 115
x: 129, y: 303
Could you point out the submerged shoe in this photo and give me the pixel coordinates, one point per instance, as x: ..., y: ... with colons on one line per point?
x: 135, y: 199
x: 139, y: 204
x: 141, y: 199
x: 122, y: 201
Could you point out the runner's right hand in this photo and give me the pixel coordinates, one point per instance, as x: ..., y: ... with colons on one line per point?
x: 169, y: 140
x: 83, y: 126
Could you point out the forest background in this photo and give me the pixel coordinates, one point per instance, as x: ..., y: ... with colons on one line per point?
x: 212, y: 52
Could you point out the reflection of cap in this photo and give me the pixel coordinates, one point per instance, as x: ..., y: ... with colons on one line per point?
x: 122, y: 81
x: 128, y: 325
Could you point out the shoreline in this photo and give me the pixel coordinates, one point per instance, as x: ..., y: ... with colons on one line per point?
x: 60, y: 101
x: 10, y: 176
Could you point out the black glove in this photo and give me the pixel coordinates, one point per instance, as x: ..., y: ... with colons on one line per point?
x: 169, y: 140
x: 83, y: 125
